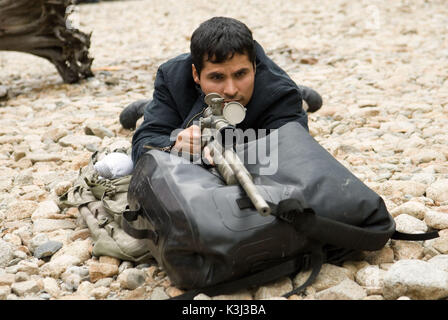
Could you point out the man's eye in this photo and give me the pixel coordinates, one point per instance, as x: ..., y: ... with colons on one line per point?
x: 240, y: 74
x: 216, y: 76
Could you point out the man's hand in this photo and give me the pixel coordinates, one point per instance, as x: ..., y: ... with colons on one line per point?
x: 189, y: 140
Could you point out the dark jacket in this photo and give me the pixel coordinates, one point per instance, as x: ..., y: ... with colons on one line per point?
x: 178, y: 100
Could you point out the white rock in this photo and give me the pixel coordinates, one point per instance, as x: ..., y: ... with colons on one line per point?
x: 20, y: 210
x: 79, y: 141
x: 436, y: 219
x: 275, y: 289
x: 159, y: 294
x: 397, y: 188
x: 440, y: 261
x: 6, y: 253
x: 202, y: 296
x: 415, y: 279
x: 46, y: 225
x: 4, y: 292
x: 407, y: 249
x: 25, y: 287
x: 78, y: 249
x: 438, y: 191
x: 57, y: 266
x: 409, y: 224
x: 412, y: 208
x: 371, y: 276
x: 51, y: 286
x: 346, y: 290
x: 45, y: 209
x: 329, y: 276
x: 85, y: 288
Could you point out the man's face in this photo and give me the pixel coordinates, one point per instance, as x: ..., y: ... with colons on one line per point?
x: 233, y: 79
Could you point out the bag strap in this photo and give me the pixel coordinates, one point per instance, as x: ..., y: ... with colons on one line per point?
x: 329, y: 231
x: 316, y: 261
x: 128, y: 217
x: 415, y: 236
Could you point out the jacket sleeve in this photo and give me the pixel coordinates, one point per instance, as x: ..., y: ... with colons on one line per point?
x: 287, y: 107
x: 161, y: 119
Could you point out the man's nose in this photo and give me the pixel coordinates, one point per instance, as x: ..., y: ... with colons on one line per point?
x: 230, y: 89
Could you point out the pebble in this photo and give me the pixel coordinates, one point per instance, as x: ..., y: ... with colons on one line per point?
x: 346, y: 290
x: 159, y: 294
x: 409, y: 224
x: 99, y: 271
x: 436, y: 219
x: 413, y: 208
x: 47, y: 249
x: 329, y: 276
x: 132, y: 278
x: 416, y: 279
x: 380, y: 123
x: 3, y: 92
x: 438, y: 191
x: 276, y: 289
x: 6, y: 253
x: 46, y: 225
x: 25, y: 287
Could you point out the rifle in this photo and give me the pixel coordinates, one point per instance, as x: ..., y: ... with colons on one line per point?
x: 216, y: 119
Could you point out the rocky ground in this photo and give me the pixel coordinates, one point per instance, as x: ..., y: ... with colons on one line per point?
x: 381, y: 67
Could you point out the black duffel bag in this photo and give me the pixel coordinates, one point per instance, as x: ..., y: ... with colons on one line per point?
x: 209, y: 238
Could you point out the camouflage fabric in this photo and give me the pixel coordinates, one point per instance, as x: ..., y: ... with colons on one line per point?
x: 101, y: 203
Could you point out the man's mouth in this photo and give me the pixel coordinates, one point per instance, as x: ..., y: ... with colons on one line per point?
x: 232, y: 100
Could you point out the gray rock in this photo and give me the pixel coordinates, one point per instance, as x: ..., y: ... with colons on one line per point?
x: 416, y: 279
x: 97, y: 130
x: 47, y: 249
x: 125, y: 265
x: 132, y: 278
x: 38, y: 240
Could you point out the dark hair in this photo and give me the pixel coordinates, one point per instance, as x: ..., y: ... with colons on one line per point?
x: 218, y: 39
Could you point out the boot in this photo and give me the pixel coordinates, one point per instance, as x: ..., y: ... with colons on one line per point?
x: 133, y: 112
x: 312, y: 99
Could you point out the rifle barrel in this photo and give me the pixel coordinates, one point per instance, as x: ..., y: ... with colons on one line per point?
x: 245, y: 180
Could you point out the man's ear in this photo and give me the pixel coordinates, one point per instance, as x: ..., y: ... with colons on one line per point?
x: 195, y: 74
